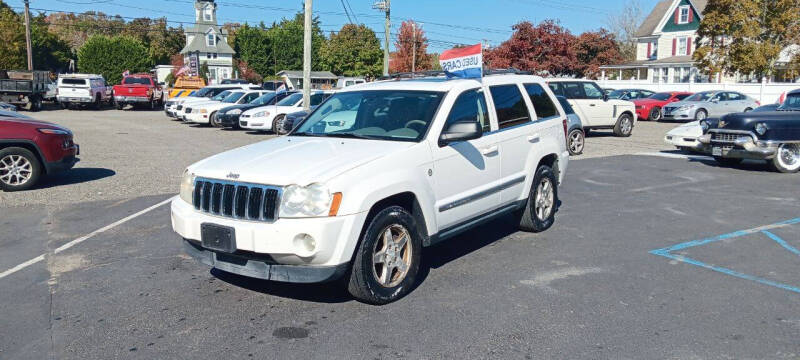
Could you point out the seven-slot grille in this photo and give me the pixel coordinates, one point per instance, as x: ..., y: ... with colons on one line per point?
x: 725, y: 137
x: 236, y: 200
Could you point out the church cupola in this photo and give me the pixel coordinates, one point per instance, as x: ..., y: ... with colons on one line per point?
x: 205, y: 11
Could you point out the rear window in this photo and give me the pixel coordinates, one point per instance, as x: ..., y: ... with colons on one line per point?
x: 136, y: 81
x: 510, y: 106
x: 73, y: 81
x: 541, y: 101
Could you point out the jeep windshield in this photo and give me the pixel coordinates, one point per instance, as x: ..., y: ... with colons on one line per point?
x: 703, y: 96
x: 394, y: 115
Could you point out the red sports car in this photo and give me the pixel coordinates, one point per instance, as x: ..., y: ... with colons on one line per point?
x: 30, y: 149
x: 650, y: 108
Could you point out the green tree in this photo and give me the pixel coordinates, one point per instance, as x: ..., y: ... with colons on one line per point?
x: 49, y: 51
x: 746, y: 36
x: 203, y: 70
x: 112, y: 56
x: 254, y: 47
x: 354, y: 51
x: 12, y: 39
x: 287, y: 41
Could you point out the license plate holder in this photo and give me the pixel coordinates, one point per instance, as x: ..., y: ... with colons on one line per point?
x: 217, y: 237
x: 716, y: 151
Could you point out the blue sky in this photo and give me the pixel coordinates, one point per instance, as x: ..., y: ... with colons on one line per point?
x: 445, y: 21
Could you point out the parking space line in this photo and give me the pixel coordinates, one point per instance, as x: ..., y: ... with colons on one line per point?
x: 675, y: 156
x: 668, y: 252
x: 84, y: 238
x: 781, y: 242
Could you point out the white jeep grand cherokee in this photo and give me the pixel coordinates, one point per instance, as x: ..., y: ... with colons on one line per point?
x: 374, y: 174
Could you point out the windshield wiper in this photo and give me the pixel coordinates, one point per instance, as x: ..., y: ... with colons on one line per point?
x: 339, y: 135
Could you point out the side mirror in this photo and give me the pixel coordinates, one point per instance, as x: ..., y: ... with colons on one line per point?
x: 460, y: 131
x: 605, y: 97
x: 715, y: 100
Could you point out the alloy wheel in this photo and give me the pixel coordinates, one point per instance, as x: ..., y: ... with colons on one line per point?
x: 626, y: 125
x: 15, y: 170
x: 544, y: 201
x: 576, y: 142
x: 392, y: 255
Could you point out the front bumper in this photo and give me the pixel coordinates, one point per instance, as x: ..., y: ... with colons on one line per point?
x: 744, y: 147
x: 197, y: 117
x: 263, y: 268
x: 256, y: 123
x: 682, y: 141
x: 279, y: 241
x: 67, y: 162
x: 678, y: 114
x: 74, y: 99
x: 228, y: 120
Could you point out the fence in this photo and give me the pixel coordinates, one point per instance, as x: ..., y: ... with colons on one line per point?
x: 766, y: 93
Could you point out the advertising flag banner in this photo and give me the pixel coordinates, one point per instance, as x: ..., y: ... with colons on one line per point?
x: 464, y: 62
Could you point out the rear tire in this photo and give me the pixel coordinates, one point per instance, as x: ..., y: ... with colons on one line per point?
x: 624, y: 126
x: 701, y: 114
x: 382, y: 273
x: 542, y: 204
x: 20, y: 169
x: 97, y: 104
x: 213, y: 120
x: 576, y: 141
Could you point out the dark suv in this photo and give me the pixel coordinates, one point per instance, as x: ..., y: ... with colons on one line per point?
x: 32, y: 148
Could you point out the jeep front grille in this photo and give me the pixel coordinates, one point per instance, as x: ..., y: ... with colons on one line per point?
x: 236, y: 200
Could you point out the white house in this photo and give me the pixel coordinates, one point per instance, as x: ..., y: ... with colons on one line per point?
x: 208, y: 43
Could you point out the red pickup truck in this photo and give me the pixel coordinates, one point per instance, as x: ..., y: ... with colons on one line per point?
x: 138, y: 89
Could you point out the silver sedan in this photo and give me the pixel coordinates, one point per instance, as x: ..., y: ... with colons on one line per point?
x: 707, y: 104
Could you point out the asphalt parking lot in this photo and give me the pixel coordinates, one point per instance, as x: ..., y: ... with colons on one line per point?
x: 664, y: 256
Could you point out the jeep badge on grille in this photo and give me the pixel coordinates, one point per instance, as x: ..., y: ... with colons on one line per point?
x: 233, y: 176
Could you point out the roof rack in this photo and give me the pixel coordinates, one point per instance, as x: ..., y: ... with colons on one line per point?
x: 438, y: 73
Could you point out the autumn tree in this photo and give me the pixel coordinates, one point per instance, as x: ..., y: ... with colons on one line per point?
x: 410, y: 34
x: 545, y: 49
x: 354, y: 51
x: 623, y: 25
x: 594, y: 49
x: 12, y: 39
x: 746, y: 36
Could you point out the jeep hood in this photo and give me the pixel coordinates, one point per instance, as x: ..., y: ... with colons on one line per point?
x: 294, y: 160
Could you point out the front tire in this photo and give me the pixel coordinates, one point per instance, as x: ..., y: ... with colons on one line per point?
x: 387, y: 259
x: 19, y: 169
x: 624, y: 126
x: 540, y: 209
x: 213, y: 120
x: 575, y: 142
x: 787, y: 160
x: 278, y: 125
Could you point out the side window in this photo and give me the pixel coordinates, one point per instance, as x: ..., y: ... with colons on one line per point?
x: 732, y: 96
x: 250, y: 97
x: 573, y: 91
x: 720, y: 97
x: 542, y: 104
x: 317, y: 99
x: 592, y: 91
x: 470, y: 106
x: 565, y: 105
x: 682, y: 96
x: 510, y: 106
x: 556, y: 88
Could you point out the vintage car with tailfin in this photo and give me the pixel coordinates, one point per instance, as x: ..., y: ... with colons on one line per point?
x: 773, y: 136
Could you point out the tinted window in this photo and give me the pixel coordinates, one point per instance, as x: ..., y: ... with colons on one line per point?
x: 317, y: 99
x: 73, y: 81
x: 573, y: 90
x: 617, y: 94
x: 556, y: 89
x: 565, y: 104
x: 266, y: 99
x: 682, y: 96
x: 703, y: 96
x: 732, y: 96
x: 291, y: 100
x: 661, y: 96
x: 470, y: 106
x: 510, y: 106
x: 249, y: 97
x: 542, y: 104
x: 721, y: 97
x: 592, y: 91
x: 136, y: 81
x: 233, y: 97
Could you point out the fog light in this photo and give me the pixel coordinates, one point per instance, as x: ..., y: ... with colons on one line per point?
x: 305, y: 244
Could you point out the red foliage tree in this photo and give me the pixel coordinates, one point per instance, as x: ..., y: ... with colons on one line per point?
x: 545, y: 49
x: 594, y: 49
x: 402, y: 58
x: 176, y: 61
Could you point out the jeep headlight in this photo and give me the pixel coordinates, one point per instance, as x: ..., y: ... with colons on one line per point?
x: 261, y: 114
x: 187, y: 186
x: 235, y: 112
x: 761, y: 128
x: 305, y: 201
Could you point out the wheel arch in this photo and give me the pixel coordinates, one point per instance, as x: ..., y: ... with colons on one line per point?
x: 407, y: 200
x: 29, y: 145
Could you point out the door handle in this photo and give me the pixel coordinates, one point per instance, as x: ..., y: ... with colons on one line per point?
x: 592, y: 105
x: 490, y: 150
x: 534, y: 138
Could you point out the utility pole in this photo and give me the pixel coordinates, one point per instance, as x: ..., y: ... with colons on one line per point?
x: 28, y: 35
x: 307, y: 57
x: 414, y: 48
x: 385, y: 6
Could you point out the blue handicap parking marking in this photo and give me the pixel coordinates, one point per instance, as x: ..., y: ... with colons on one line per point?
x: 669, y: 252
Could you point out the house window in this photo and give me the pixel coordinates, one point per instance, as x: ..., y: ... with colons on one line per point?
x: 682, y: 45
x: 684, y: 14
x: 654, y: 49
x: 211, y: 40
x: 207, y: 14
